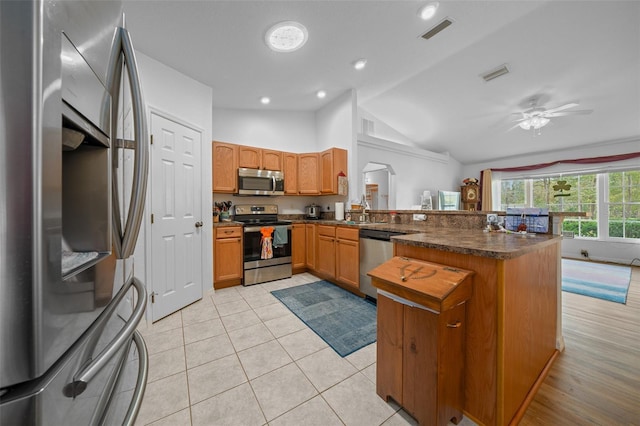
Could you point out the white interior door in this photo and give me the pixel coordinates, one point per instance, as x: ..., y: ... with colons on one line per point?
x: 176, y: 231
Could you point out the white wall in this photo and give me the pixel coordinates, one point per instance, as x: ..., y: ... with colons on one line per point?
x: 416, y: 170
x: 289, y: 131
x: 336, y: 127
x: 177, y: 96
x: 606, y: 251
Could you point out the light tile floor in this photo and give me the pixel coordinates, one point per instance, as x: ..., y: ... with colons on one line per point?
x: 240, y: 357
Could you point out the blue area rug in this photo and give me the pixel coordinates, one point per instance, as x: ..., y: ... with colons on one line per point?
x: 342, y: 319
x: 603, y: 281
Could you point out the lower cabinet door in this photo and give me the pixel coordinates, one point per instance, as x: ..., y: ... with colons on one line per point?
x: 348, y: 263
x: 228, y: 259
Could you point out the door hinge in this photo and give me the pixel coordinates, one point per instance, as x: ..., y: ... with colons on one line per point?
x: 151, y: 137
x: 152, y: 217
x: 153, y: 297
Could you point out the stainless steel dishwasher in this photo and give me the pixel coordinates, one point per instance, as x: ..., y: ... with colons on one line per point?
x: 375, y: 248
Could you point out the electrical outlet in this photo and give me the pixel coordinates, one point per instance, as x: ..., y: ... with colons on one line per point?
x: 584, y: 253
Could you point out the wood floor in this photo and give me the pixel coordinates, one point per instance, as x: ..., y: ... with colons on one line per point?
x: 596, y: 380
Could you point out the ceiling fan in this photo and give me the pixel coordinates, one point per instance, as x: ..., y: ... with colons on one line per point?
x: 536, y: 117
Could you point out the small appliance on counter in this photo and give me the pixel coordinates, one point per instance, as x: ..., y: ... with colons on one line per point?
x: 312, y: 212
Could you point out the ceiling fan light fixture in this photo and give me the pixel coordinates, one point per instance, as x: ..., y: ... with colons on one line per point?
x: 286, y: 37
x: 535, y: 122
x: 360, y: 64
x: 428, y: 11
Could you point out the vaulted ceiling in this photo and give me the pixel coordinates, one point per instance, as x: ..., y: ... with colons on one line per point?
x: 430, y: 91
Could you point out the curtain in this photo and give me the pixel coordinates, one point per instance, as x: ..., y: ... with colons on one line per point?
x: 486, y: 198
x: 592, y: 160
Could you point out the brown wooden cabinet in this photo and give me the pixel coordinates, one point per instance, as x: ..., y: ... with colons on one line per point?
x: 290, y: 168
x: 348, y: 256
x: 298, y: 247
x: 308, y: 174
x: 227, y: 256
x: 421, y: 337
x: 333, y: 161
x: 326, y: 256
x: 249, y: 157
x: 421, y: 360
x: 225, y: 167
x: 259, y: 158
x: 310, y: 241
x: 272, y: 160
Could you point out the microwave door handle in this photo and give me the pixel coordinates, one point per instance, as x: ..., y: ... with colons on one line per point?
x: 273, y: 188
x: 141, y: 163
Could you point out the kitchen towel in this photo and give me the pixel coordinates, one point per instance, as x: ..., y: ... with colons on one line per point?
x: 267, y: 248
x: 339, y: 211
x: 280, y: 237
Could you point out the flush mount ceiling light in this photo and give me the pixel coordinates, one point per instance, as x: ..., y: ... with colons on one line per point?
x: 321, y: 94
x: 265, y: 100
x: 428, y: 11
x: 287, y: 36
x: 360, y: 64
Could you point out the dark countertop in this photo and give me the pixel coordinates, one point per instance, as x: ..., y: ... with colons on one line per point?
x: 494, y: 245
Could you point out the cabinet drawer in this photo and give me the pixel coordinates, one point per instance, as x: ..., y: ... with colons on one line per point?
x: 352, y: 234
x: 326, y: 230
x: 229, y: 232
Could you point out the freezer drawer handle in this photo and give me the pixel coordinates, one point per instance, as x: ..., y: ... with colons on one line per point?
x: 82, y: 377
x: 141, y: 382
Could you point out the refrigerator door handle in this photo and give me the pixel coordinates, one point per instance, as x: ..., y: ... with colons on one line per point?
x: 141, y: 381
x: 126, y: 238
x: 82, y: 377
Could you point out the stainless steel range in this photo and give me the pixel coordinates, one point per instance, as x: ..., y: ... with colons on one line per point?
x: 267, y: 243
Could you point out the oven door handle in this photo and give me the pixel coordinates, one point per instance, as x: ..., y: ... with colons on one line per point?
x: 248, y: 229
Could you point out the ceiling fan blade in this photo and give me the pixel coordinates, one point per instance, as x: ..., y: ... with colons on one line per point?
x: 562, y: 114
x: 562, y: 107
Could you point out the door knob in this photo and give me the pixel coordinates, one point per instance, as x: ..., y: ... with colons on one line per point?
x: 199, y: 224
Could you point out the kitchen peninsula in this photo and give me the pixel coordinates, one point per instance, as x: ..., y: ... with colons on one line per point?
x: 511, y: 315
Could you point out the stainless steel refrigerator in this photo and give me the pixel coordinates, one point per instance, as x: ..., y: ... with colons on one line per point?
x: 72, y: 130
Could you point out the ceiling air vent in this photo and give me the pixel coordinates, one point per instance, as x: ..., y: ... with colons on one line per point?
x: 501, y: 70
x: 435, y: 30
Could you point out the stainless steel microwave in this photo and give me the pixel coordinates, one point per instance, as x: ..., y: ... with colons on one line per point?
x: 260, y: 182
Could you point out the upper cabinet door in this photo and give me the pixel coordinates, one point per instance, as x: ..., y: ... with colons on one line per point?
x: 308, y: 174
x: 290, y: 169
x: 272, y: 160
x: 249, y: 157
x: 333, y: 161
x: 225, y: 167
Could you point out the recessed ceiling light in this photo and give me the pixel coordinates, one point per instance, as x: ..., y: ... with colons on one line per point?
x: 286, y: 36
x: 360, y: 64
x: 321, y: 94
x: 265, y: 100
x: 428, y: 11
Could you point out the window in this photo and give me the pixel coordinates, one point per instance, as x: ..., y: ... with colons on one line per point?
x: 624, y: 204
x: 612, y: 201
